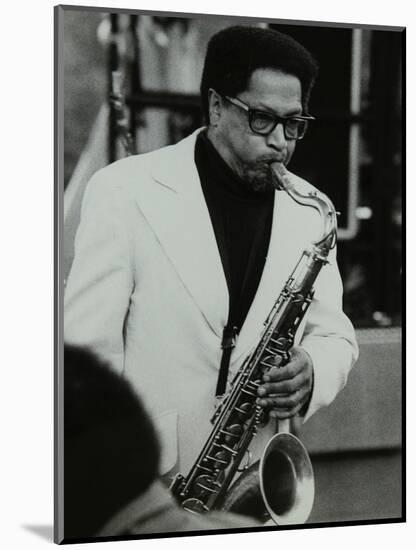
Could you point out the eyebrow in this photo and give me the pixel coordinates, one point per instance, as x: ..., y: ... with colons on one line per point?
x: 294, y: 112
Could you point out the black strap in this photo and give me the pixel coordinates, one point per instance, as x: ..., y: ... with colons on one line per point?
x: 229, y: 336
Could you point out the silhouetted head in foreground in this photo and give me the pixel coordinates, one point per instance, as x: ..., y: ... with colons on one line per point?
x: 111, y: 453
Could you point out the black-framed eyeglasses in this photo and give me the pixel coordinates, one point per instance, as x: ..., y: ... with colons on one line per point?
x: 264, y: 122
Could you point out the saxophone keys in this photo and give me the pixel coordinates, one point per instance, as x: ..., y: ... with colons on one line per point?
x: 232, y: 433
x: 251, y: 394
x: 207, y: 485
x: 220, y: 460
x: 195, y: 506
x: 229, y: 450
x: 244, y: 410
x: 262, y: 419
x: 203, y: 468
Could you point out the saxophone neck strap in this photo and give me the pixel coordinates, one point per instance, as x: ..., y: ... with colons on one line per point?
x: 229, y: 337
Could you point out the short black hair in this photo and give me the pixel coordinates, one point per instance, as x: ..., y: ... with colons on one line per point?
x: 234, y: 53
x: 111, y: 452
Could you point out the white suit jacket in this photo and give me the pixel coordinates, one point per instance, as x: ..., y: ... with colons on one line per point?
x: 148, y: 293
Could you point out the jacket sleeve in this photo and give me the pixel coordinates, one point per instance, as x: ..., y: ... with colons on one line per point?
x: 101, y: 279
x: 328, y: 338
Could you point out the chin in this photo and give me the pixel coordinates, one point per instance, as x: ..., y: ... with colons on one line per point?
x: 260, y: 180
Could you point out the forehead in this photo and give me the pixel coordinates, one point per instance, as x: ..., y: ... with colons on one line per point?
x: 273, y: 89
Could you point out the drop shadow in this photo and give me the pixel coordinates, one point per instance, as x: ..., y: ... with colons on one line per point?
x: 43, y: 531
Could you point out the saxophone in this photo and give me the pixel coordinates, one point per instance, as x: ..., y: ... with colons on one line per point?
x: 282, y: 486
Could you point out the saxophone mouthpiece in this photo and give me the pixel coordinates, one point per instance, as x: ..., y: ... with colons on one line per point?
x: 283, y: 181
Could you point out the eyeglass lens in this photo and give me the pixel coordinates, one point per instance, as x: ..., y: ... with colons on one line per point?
x: 264, y: 123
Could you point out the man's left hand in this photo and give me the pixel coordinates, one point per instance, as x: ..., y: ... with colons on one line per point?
x: 285, y: 390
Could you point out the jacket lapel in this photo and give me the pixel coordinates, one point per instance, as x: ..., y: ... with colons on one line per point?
x: 173, y: 203
x: 288, y: 239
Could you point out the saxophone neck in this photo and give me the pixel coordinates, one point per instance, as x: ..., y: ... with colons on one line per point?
x: 314, y: 199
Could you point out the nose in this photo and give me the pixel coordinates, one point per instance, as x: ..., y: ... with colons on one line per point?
x: 277, y: 139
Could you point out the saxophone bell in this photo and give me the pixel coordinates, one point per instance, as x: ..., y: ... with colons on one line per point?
x: 286, y: 478
x: 280, y: 486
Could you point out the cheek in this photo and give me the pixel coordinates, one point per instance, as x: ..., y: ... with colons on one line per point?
x: 245, y: 147
x: 255, y: 147
x: 236, y: 138
x: 291, y: 146
x: 249, y: 150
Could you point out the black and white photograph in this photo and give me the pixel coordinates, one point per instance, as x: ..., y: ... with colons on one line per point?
x: 229, y: 277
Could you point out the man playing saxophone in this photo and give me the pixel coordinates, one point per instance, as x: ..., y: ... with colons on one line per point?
x: 181, y: 253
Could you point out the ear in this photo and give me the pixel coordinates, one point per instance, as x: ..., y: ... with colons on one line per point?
x: 214, y: 107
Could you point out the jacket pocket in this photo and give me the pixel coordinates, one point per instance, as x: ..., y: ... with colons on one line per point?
x: 166, y: 425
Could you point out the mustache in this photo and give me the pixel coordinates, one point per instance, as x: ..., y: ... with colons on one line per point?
x: 265, y: 165
x: 271, y: 159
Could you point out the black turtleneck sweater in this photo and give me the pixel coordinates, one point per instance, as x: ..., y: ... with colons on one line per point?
x: 242, y: 221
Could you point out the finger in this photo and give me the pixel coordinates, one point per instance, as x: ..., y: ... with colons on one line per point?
x: 271, y: 361
x: 297, y: 358
x: 288, y: 372
x: 279, y: 388
x: 275, y: 360
x: 288, y: 385
x: 288, y: 401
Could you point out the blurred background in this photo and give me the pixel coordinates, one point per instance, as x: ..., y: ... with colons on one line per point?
x: 353, y: 152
